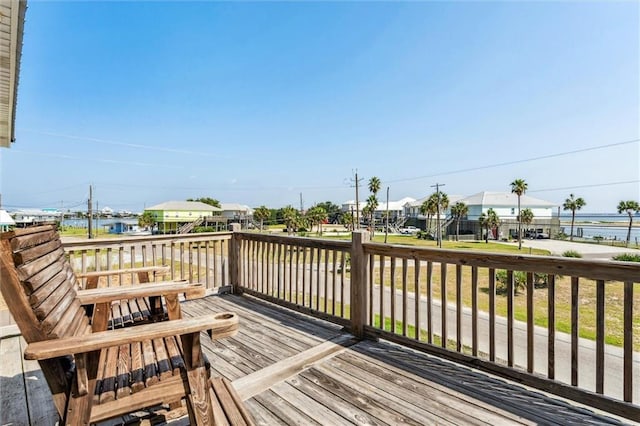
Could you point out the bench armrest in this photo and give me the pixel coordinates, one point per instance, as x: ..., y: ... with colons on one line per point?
x: 109, y: 294
x: 157, y: 270
x: 220, y: 325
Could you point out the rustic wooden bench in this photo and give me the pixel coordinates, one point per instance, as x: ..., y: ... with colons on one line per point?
x: 95, y: 373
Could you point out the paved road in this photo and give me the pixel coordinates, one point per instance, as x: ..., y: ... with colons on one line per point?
x: 588, y: 250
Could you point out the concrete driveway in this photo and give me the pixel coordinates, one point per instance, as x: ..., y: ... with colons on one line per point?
x: 588, y: 251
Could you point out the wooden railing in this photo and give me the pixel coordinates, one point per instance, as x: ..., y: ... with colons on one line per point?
x: 308, y: 275
x: 193, y: 257
x: 562, y: 325
x: 567, y: 326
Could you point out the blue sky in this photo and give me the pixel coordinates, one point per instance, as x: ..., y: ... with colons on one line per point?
x: 256, y: 103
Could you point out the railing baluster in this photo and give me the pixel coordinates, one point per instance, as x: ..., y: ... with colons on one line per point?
x: 132, y: 261
x: 120, y: 263
x: 551, y: 328
x: 381, y: 311
x: 342, y: 278
x: 318, y: 280
x: 333, y: 281
x: 429, y: 302
x: 459, y: 308
x: 172, y: 255
x: 304, y: 276
x: 474, y: 310
x: 154, y: 259
x: 530, y: 324
x: 109, y: 266
x: 510, y: 319
x: 628, y: 342
x: 371, y: 286
x: 404, y: 296
x: 207, y: 265
x: 575, y: 304
x: 443, y: 304
x: 298, y: 273
x: 492, y: 314
x: 311, y: 259
x: 416, y: 295
x: 290, y: 287
x: 326, y: 280
x: 392, y: 297
x: 600, y: 336
x: 217, y: 283
x: 279, y: 247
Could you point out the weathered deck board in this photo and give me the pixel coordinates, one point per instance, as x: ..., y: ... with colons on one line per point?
x: 13, y: 404
x: 280, y: 362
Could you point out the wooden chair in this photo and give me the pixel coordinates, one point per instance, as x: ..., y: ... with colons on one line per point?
x: 95, y: 373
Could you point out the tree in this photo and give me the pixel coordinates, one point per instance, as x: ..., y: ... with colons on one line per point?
x: 629, y: 207
x: 316, y: 215
x: 347, y: 220
x: 428, y: 208
x: 372, y: 201
x: 440, y: 201
x: 262, y: 213
x: 147, y: 220
x: 573, y: 204
x: 334, y: 212
x: 519, y: 187
x: 211, y: 201
x: 291, y: 218
x: 372, y: 205
x: 527, y: 217
x: 458, y: 211
x: 488, y: 220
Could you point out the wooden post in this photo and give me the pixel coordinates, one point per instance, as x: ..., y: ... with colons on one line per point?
x: 234, y: 259
x: 358, y: 283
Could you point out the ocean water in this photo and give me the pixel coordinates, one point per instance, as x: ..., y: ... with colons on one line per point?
x: 592, y: 225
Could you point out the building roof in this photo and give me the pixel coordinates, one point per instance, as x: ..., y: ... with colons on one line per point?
x: 235, y: 207
x: 11, y: 31
x: 196, y: 206
x: 5, y: 219
x: 417, y: 203
x: 505, y: 199
x: 382, y: 205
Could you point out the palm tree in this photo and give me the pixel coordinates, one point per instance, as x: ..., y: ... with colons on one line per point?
x: 526, y: 216
x: 428, y: 208
x: 290, y: 216
x: 458, y: 211
x: 262, y: 213
x: 488, y: 220
x: 519, y: 187
x: 372, y: 201
x: 147, y: 219
x: 629, y: 207
x: 441, y: 202
x: 573, y: 204
x: 316, y: 215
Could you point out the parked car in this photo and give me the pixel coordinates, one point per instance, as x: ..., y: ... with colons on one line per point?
x: 409, y: 230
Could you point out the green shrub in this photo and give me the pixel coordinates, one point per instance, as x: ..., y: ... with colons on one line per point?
x: 519, y: 281
x: 627, y: 257
x: 598, y: 238
x: 571, y: 253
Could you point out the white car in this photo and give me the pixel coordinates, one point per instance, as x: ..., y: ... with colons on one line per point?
x: 409, y: 230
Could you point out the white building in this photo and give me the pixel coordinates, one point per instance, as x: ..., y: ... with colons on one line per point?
x: 505, y: 204
x: 396, y: 208
x: 30, y: 217
x: 5, y: 221
x: 236, y: 211
x: 412, y: 209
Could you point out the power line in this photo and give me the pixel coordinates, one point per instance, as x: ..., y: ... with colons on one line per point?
x: 508, y: 163
x: 594, y: 185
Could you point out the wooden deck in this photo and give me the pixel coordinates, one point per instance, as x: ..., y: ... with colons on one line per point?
x: 293, y: 369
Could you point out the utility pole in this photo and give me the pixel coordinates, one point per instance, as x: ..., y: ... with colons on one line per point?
x: 90, y: 212
x: 301, y: 204
x: 438, y: 231
x: 386, y: 227
x: 357, y: 184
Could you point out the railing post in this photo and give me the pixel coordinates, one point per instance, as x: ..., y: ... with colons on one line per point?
x: 234, y: 259
x: 358, y: 283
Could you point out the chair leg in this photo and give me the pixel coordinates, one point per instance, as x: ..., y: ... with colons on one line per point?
x: 198, y: 401
x: 80, y: 403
